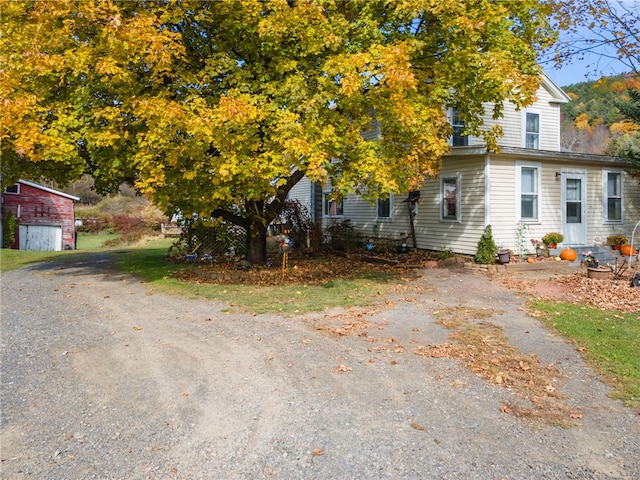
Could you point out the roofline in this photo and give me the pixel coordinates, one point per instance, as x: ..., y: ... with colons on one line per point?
x: 562, y: 156
x: 47, y: 189
x: 559, y: 95
x: 559, y: 156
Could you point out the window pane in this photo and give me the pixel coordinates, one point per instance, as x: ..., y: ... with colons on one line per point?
x: 574, y: 189
x: 384, y: 208
x: 529, y: 182
x: 450, y: 198
x: 533, y: 123
x: 574, y: 212
x: 529, y: 206
x: 613, y: 184
x: 458, y: 140
x: 532, y: 131
x: 614, y: 209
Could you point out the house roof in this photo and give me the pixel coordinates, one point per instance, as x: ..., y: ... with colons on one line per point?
x: 47, y: 189
x: 556, y: 92
x: 530, y: 153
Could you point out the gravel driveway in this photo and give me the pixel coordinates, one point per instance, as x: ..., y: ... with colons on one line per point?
x: 104, y: 378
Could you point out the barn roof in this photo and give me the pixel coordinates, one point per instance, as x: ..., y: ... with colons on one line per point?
x: 47, y: 189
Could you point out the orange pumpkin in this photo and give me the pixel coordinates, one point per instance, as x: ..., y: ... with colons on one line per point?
x: 627, y: 250
x: 568, y: 254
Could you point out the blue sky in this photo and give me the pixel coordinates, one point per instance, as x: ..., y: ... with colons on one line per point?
x: 588, y: 69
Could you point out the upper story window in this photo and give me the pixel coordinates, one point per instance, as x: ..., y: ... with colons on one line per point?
x: 528, y: 192
x: 612, y: 196
x: 450, y: 198
x: 532, y: 130
x: 383, y: 209
x: 332, y: 207
x: 13, y: 189
x: 458, y: 139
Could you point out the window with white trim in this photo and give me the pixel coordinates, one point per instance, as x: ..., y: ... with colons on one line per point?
x: 528, y: 192
x: 532, y: 130
x: 612, y: 196
x: 458, y: 139
x: 450, y: 198
x: 15, y: 189
x: 383, y: 208
x: 332, y: 207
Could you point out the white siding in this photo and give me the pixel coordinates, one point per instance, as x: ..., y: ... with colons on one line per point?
x: 513, y: 123
x: 597, y: 229
x: 303, y: 192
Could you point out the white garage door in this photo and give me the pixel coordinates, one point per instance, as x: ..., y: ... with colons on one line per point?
x: 42, y: 238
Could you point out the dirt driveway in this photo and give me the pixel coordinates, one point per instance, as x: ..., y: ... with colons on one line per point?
x: 104, y: 378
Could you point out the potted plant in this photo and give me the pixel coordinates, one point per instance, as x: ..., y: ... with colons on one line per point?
x: 616, y: 240
x: 504, y: 256
x: 552, y: 239
x: 541, y: 248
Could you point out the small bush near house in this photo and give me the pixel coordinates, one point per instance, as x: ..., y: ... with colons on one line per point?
x: 9, y: 228
x: 342, y: 236
x: 487, y: 248
x: 295, y: 218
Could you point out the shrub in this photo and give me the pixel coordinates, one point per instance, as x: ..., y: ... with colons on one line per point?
x: 9, y: 229
x: 342, y: 236
x: 297, y: 220
x: 487, y: 249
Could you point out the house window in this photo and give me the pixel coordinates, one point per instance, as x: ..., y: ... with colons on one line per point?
x: 384, y: 208
x: 458, y: 139
x: 528, y: 184
x: 612, y: 196
x: 450, y: 198
x: 332, y: 207
x: 12, y: 189
x: 532, y: 131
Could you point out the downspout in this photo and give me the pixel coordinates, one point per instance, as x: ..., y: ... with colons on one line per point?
x: 631, y: 249
x: 487, y: 189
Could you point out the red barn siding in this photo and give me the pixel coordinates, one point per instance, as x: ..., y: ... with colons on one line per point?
x: 40, y: 206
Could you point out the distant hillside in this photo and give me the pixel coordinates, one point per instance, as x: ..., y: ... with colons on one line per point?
x: 596, y: 99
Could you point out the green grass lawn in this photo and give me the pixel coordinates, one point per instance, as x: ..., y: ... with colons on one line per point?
x: 12, y: 259
x: 608, y: 340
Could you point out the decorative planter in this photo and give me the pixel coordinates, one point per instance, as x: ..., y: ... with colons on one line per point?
x: 542, y: 252
x: 598, y: 273
x: 503, y: 257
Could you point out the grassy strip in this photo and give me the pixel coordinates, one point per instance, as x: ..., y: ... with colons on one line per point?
x: 608, y: 340
x: 12, y: 259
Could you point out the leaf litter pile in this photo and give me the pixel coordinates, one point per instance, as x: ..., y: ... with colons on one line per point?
x: 605, y: 294
x: 481, y: 346
x: 305, y: 269
x: 484, y: 349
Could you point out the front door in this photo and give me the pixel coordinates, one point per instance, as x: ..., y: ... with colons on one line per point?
x: 574, y: 208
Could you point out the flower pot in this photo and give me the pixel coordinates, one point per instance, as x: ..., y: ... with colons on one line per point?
x: 598, y: 273
x: 616, y: 247
x: 503, y: 257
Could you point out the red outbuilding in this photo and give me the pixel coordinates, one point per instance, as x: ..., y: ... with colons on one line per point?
x: 45, y: 217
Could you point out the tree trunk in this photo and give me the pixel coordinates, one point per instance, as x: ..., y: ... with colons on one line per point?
x: 257, y: 242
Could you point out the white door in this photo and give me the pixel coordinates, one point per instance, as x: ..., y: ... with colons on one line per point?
x: 42, y: 238
x: 574, y: 208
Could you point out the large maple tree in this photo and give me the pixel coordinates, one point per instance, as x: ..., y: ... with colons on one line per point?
x: 219, y: 108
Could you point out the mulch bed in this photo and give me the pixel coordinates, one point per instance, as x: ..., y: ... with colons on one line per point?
x: 306, y: 269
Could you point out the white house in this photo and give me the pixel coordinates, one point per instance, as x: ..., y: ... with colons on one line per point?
x: 528, y: 189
